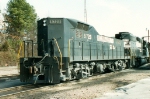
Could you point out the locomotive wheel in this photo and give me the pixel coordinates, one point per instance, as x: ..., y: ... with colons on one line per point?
x: 101, y: 68
x: 124, y: 65
x: 79, y: 75
x: 113, y: 68
x: 120, y: 68
x: 91, y: 72
x: 128, y: 65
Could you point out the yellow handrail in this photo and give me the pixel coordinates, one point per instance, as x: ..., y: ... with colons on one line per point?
x: 19, y: 50
x: 69, y: 49
x: 59, y: 53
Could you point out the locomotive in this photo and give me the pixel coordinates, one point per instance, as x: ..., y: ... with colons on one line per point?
x: 69, y: 49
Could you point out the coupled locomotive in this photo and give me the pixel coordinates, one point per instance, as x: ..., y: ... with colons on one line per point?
x: 69, y: 49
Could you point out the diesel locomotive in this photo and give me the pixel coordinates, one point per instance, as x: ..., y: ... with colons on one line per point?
x: 69, y: 49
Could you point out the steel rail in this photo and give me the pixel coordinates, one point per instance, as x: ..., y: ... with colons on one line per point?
x: 18, y: 89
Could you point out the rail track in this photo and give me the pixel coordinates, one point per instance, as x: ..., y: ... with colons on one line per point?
x: 6, y: 92
x: 9, y: 77
x: 10, y: 92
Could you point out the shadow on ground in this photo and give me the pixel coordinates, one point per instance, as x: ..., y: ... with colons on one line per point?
x: 145, y: 67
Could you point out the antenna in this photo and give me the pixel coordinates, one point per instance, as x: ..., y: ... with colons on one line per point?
x: 85, y: 12
x: 48, y: 14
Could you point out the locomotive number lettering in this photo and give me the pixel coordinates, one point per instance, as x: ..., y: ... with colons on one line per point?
x: 88, y: 36
x: 78, y: 34
x: 55, y: 21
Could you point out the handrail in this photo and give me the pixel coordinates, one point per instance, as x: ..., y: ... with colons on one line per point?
x: 69, y: 49
x: 59, y: 53
x: 28, y: 41
x: 19, y: 50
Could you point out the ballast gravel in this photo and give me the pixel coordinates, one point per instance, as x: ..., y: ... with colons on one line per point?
x: 89, y: 88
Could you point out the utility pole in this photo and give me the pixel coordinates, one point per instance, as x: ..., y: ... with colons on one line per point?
x: 148, y: 33
x: 148, y: 36
x: 85, y: 12
x: 148, y: 44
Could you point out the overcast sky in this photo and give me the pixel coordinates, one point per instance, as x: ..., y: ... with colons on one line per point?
x: 107, y: 16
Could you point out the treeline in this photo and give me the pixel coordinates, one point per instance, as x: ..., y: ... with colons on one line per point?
x: 20, y: 23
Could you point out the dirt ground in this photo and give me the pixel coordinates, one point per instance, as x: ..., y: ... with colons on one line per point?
x: 9, y: 70
x: 88, y: 88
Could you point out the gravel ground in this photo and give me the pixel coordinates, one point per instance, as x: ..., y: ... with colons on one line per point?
x: 89, y: 88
